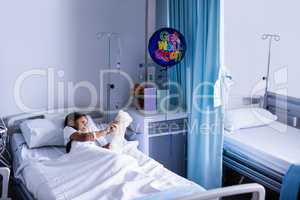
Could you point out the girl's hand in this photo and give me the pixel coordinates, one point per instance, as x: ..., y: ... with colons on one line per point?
x: 84, y: 130
x: 91, y: 137
x: 111, y: 126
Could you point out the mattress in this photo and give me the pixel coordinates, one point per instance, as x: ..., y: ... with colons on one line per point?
x: 275, y: 146
x: 31, y: 175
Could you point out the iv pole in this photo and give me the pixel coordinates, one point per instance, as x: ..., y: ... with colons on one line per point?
x: 109, y: 85
x: 269, y: 37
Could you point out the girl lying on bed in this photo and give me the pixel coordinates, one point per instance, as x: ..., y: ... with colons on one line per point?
x: 79, y: 132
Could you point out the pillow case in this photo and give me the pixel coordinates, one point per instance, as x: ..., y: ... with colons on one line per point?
x: 247, y: 118
x: 42, y: 132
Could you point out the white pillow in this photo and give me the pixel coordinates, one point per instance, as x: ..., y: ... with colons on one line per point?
x: 91, y: 124
x: 47, y: 132
x: 247, y: 118
x: 42, y: 132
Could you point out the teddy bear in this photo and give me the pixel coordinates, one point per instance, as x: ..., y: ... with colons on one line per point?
x: 123, y: 120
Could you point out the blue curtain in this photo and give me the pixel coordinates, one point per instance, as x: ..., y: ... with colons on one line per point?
x: 162, y: 14
x: 199, y: 21
x: 177, y: 75
x: 183, y: 18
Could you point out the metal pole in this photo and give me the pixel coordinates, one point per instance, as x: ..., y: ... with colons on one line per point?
x: 269, y: 62
x: 271, y: 37
x: 109, y: 80
x: 109, y: 86
x: 146, y: 30
x: 169, y: 91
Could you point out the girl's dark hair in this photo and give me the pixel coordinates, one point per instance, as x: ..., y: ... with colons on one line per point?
x: 72, y: 117
x: 70, y: 121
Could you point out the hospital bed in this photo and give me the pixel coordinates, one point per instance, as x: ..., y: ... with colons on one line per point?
x: 265, y: 153
x: 22, y: 182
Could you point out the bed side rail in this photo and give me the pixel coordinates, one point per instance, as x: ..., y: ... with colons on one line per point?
x: 4, y: 172
x: 258, y: 192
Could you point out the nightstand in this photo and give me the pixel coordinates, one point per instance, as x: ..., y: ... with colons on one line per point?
x: 163, y: 137
x: 4, y: 171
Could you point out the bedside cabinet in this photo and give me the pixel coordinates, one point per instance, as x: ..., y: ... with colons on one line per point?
x: 163, y: 137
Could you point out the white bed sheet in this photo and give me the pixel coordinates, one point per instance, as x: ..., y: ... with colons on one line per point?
x: 31, y: 175
x: 21, y: 153
x: 275, y: 146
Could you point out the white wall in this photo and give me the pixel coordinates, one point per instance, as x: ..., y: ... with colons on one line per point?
x: 62, y: 35
x: 246, y: 53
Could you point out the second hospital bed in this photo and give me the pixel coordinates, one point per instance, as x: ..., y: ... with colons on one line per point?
x: 265, y: 153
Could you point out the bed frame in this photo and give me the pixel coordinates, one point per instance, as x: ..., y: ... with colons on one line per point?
x: 256, y: 172
x: 288, y: 111
x: 257, y: 191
